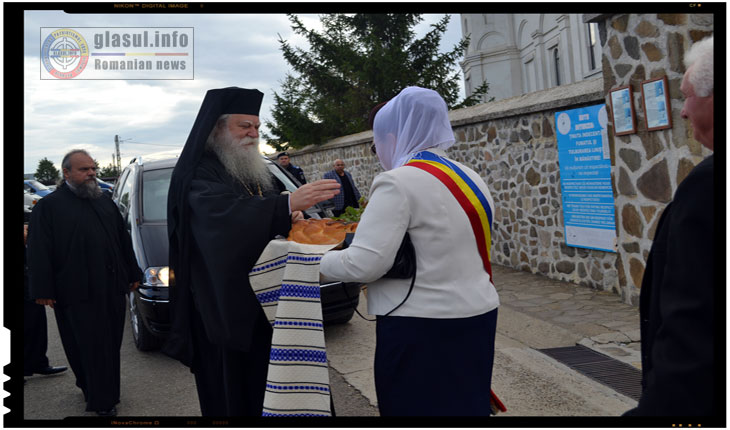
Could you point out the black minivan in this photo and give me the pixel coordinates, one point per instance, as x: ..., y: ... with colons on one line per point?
x: 141, y: 195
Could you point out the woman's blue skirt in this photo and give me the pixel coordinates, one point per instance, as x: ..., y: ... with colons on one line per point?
x: 434, y: 367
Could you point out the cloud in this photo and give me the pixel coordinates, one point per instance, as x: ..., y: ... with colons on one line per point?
x: 152, y: 115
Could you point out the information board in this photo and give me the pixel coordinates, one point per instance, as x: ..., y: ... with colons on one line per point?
x: 585, y: 178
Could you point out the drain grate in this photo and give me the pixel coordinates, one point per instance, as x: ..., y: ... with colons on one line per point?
x: 620, y: 376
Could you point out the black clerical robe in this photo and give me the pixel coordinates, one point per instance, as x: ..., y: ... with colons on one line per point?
x: 80, y: 254
x: 223, y: 321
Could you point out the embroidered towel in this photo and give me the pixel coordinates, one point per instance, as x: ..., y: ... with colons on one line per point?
x: 285, y: 280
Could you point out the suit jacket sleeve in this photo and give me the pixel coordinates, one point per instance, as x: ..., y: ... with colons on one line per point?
x: 339, y: 198
x: 379, y: 236
x: 682, y: 377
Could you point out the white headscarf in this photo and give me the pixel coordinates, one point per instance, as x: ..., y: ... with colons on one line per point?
x: 414, y: 120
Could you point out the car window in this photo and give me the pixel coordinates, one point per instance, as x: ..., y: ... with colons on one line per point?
x: 281, y: 176
x: 155, y: 184
x: 124, y: 197
x: 122, y: 178
x: 27, y: 188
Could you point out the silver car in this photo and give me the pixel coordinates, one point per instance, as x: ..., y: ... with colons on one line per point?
x: 28, y: 204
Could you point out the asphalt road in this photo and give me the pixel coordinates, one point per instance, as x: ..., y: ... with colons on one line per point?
x: 153, y: 385
x: 156, y: 386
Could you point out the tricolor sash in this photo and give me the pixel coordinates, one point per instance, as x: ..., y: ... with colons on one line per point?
x: 466, y: 192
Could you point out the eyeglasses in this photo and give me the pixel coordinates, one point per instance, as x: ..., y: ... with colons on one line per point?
x: 372, y: 149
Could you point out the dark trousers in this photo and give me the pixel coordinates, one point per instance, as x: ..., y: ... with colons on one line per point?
x: 434, y: 367
x: 35, y: 337
x: 91, y: 333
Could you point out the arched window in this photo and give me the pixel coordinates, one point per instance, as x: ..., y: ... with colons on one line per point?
x: 556, y: 57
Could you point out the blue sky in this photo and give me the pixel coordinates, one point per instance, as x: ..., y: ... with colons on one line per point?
x: 155, y: 115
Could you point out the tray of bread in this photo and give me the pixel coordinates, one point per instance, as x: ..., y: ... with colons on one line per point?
x: 324, y: 231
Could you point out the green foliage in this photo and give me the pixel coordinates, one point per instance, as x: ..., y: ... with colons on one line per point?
x: 46, y: 173
x: 356, y: 62
x: 290, y: 120
x: 352, y: 214
x: 109, y: 171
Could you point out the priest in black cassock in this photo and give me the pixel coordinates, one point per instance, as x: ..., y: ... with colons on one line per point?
x: 223, y: 209
x: 81, y: 263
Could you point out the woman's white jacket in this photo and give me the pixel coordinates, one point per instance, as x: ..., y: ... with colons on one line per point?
x: 451, y: 281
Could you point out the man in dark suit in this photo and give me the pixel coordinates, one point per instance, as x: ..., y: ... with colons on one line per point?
x: 349, y: 195
x: 678, y: 289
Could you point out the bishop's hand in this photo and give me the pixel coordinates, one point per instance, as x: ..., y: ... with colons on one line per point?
x: 309, y: 194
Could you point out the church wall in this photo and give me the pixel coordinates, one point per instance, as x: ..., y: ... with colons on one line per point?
x: 648, y: 165
x: 526, y: 43
x: 511, y: 143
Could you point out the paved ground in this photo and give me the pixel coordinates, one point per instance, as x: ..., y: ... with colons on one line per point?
x: 596, y: 319
x: 535, y: 313
x: 153, y: 385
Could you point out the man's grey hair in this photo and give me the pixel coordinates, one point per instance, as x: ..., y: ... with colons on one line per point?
x: 243, y: 164
x: 701, y: 58
x: 222, y: 120
x: 219, y: 125
x: 66, y: 162
x: 84, y: 190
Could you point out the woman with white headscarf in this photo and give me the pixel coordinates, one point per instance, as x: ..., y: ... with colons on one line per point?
x: 434, y: 352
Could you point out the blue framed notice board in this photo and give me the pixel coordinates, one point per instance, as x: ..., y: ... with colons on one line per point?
x: 585, y: 178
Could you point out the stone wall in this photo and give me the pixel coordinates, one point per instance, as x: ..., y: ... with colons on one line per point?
x: 648, y: 165
x: 514, y: 147
x: 354, y: 150
x: 511, y: 143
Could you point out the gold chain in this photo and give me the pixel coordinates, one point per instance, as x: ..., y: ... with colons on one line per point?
x: 251, y: 192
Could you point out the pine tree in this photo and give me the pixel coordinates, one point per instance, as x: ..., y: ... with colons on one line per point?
x: 46, y: 173
x: 356, y: 62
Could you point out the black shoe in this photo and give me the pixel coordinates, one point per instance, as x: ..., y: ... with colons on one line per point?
x: 50, y: 370
x: 108, y: 413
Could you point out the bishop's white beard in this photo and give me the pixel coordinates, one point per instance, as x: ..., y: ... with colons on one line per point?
x: 87, y: 190
x: 244, y: 163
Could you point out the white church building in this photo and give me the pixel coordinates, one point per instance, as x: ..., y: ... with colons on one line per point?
x: 522, y: 53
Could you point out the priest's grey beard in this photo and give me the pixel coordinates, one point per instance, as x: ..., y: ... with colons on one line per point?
x: 87, y: 190
x: 244, y: 163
